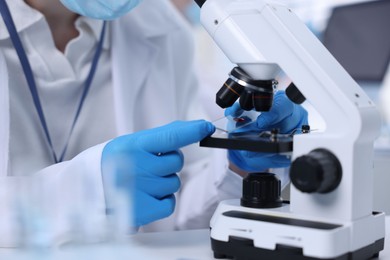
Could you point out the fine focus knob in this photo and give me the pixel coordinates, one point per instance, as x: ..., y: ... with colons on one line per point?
x: 317, y: 172
x: 261, y: 190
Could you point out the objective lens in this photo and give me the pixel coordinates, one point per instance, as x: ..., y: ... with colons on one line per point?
x: 262, y: 101
x: 246, y: 100
x: 229, y: 93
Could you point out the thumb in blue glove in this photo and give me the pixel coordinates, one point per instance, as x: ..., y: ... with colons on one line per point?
x: 144, y: 165
x: 284, y: 116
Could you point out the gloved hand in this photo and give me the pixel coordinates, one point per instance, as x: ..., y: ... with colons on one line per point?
x: 144, y: 165
x: 285, y: 116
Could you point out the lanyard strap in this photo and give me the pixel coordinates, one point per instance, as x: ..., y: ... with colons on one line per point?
x: 7, y: 17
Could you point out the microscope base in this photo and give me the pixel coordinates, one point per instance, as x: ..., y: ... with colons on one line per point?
x: 243, y: 249
x: 246, y: 233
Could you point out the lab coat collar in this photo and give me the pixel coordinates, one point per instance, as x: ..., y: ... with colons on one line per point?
x: 96, y: 28
x: 23, y: 15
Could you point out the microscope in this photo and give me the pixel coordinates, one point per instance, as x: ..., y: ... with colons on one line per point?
x: 330, y: 214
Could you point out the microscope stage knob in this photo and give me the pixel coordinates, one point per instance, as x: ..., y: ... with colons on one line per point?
x: 317, y: 172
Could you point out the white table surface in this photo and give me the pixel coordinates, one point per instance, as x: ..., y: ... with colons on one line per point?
x: 179, y: 245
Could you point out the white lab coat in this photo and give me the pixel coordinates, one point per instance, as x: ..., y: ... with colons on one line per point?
x: 153, y: 84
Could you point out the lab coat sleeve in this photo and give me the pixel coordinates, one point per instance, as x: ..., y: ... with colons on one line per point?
x: 205, y: 184
x: 61, y: 203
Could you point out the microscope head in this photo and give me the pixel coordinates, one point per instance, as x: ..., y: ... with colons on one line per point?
x: 252, y: 82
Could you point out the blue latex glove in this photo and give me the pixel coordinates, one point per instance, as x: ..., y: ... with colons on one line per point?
x: 285, y: 116
x: 145, y: 163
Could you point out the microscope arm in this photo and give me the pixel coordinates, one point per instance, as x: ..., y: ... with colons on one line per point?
x: 263, y: 37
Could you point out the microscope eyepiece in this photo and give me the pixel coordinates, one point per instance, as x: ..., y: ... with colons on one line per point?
x: 257, y: 94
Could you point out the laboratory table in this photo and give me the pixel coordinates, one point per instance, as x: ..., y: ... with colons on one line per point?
x: 178, y: 245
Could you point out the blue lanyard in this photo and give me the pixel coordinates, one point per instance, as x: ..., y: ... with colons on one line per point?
x: 5, y: 13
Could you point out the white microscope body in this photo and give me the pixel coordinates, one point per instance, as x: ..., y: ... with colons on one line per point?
x: 262, y: 37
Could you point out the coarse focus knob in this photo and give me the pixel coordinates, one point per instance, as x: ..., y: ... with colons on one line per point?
x: 317, y: 172
x: 261, y: 190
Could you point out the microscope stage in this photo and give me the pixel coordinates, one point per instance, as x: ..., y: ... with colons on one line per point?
x: 266, y: 143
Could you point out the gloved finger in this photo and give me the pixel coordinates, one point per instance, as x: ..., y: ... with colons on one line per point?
x: 174, y: 136
x: 293, y: 122
x: 234, y: 110
x: 280, y: 160
x: 281, y: 109
x: 165, y: 163
x: 148, y: 209
x: 160, y: 187
x: 267, y: 160
x: 239, y: 158
x: 256, y: 162
x: 129, y: 171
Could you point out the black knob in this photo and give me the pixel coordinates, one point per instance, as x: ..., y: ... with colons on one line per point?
x: 305, y: 129
x: 261, y: 190
x: 293, y: 93
x: 317, y: 172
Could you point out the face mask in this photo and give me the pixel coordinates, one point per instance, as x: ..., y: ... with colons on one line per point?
x: 192, y: 13
x: 101, y: 9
